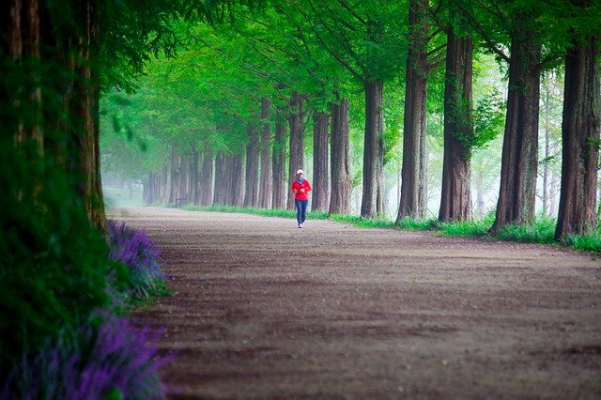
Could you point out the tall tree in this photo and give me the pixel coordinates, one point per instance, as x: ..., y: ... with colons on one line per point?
x: 517, y: 193
x: 251, y: 193
x: 455, y: 202
x: 265, y: 181
x: 280, y: 185
x: 373, y: 151
x: 206, y: 184
x: 416, y: 74
x: 363, y: 39
x: 581, y: 129
x: 320, y: 161
x: 518, y: 26
x: 295, y: 120
x: 340, y: 165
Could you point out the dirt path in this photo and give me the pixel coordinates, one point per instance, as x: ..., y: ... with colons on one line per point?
x: 263, y: 309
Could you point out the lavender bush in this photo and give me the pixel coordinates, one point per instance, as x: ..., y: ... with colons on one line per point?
x: 113, y: 361
x: 134, y: 249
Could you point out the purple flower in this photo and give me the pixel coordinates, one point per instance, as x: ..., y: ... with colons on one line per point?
x: 134, y: 249
x: 114, y: 360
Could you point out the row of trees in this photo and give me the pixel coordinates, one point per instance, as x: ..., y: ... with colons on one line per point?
x: 300, y: 63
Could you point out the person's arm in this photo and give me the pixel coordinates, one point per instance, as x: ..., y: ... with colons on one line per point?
x: 309, y: 188
x: 294, y: 187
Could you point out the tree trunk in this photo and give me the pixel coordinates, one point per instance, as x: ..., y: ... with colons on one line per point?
x: 183, y: 186
x: 423, y: 176
x: 31, y: 43
x: 206, y: 184
x: 174, y: 177
x: 195, y: 178
x: 456, y: 204
x: 372, y: 203
x: 296, y: 142
x: 547, y: 147
x: 517, y: 194
x: 83, y: 104
x: 340, y: 201
x: 280, y: 185
x: 251, y: 192
x: 148, y: 189
x: 266, y: 180
x: 237, y: 180
x: 581, y: 127
x: 414, y: 125
x: 320, y: 161
x: 221, y: 182
x: 228, y: 180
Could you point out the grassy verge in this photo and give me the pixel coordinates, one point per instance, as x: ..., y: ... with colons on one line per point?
x: 541, y: 232
x: 256, y: 211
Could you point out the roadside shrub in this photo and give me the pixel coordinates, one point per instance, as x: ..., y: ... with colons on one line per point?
x: 53, y: 274
x: 134, y: 249
x: 590, y: 243
x: 464, y: 228
x: 109, y: 359
x: 541, y: 231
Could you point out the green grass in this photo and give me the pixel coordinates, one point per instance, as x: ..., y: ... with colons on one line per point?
x: 361, y: 222
x: 589, y: 243
x: 256, y: 211
x: 542, y: 231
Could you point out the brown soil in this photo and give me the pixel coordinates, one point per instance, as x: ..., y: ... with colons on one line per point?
x: 262, y: 309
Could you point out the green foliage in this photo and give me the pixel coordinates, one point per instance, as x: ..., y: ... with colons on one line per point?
x: 464, y: 228
x: 361, y: 222
x: 489, y: 118
x: 53, y: 273
x: 541, y: 231
x: 590, y: 243
x: 411, y: 224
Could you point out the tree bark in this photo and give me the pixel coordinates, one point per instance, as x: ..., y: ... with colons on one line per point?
x: 195, y: 178
x: 206, y: 183
x: 340, y: 201
x: 280, y: 185
x: 221, y: 182
x: 83, y: 104
x: 296, y: 142
x: 372, y: 203
x: 266, y: 179
x: 423, y: 176
x: 456, y: 204
x: 546, y: 169
x: 414, y: 125
x: 251, y: 192
x: 581, y: 127
x: 174, y: 178
x: 237, y: 180
x: 517, y: 194
x: 32, y: 38
x: 320, y: 161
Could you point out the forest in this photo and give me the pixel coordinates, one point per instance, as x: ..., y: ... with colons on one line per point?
x: 401, y: 110
x: 445, y: 110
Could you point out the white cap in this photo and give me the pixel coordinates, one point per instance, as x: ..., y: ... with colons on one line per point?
x: 299, y: 171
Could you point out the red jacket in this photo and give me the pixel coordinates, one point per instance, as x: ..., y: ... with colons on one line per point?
x: 301, y: 189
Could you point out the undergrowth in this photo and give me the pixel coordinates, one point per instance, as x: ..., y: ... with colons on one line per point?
x: 256, y: 211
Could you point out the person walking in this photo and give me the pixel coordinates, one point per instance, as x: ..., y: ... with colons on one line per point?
x: 301, y: 188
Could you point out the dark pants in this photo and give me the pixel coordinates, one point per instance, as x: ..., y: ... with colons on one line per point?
x: 301, y: 210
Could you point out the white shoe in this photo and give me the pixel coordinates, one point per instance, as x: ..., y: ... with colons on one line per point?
x: 300, y: 225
